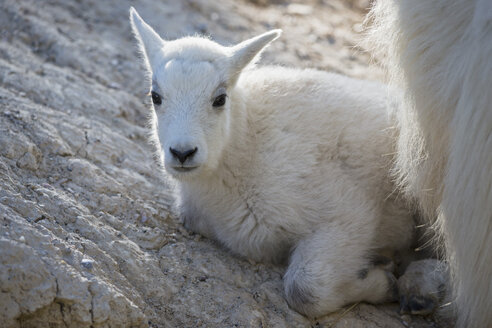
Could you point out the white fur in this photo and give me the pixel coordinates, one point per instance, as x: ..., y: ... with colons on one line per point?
x: 296, y: 161
x: 440, y: 53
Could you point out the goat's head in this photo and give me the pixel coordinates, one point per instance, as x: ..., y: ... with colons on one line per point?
x: 191, y: 78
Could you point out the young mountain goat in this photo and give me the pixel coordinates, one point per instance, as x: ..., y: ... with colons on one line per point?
x: 440, y: 53
x: 279, y: 163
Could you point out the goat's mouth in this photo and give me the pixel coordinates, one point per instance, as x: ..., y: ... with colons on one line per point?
x: 184, y: 168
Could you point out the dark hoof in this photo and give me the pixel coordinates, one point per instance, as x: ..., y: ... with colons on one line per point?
x: 417, y: 305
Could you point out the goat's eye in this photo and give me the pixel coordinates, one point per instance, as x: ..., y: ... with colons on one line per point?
x: 156, y: 98
x: 220, y: 101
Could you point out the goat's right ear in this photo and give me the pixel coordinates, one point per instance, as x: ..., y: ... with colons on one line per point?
x: 150, y: 43
x: 249, y: 51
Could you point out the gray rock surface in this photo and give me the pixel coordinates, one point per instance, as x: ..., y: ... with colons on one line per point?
x: 87, y: 234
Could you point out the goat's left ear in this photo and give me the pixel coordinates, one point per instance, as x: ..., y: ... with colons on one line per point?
x: 149, y: 41
x: 249, y: 51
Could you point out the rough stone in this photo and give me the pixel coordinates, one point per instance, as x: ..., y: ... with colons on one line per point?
x: 88, y: 236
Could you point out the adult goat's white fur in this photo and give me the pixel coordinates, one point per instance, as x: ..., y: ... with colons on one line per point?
x: 440, y: 53
x: 289, y: 161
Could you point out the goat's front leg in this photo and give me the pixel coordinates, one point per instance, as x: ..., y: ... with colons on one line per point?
x: 193, y: 221
x: 332, y: 268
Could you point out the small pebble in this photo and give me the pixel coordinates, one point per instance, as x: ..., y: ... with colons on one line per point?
x: 114, y: 85
x: 86, y: 263
x: 299, y: 9
x: 47, y: 186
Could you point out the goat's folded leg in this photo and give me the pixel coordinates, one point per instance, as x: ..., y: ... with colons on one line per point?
x: 333, y: 267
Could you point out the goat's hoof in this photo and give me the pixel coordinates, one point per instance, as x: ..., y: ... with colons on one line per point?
x: 423, y: 286
x: 415, y: 304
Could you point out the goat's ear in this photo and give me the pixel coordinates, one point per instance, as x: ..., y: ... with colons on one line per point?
x: 150, y: 43
x: 249, y: 51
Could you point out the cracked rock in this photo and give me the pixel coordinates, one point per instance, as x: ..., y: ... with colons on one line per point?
x: 88, y: 236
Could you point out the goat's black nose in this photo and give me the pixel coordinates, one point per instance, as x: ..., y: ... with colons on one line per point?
x: 183, y: 155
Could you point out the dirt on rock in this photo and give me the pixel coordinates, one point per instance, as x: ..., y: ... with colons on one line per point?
x: 88, y: 237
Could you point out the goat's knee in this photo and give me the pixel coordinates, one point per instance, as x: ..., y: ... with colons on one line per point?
x: 298, y: 291
x: 322, y: 277
x: 303, y: 292
x: 313, y: 296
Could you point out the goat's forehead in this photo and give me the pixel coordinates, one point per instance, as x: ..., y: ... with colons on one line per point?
x: 186, y: 74
x: 194, y: 49
x: 192, y: 65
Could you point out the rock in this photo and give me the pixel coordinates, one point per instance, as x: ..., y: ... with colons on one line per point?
x: 27, y: 284
x: 88, y: 237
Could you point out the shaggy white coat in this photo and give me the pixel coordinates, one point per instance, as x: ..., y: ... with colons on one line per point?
x: 440, y: 53
x: 295, y: 164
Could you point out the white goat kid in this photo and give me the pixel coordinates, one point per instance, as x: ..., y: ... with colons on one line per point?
x: 274, y: 160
